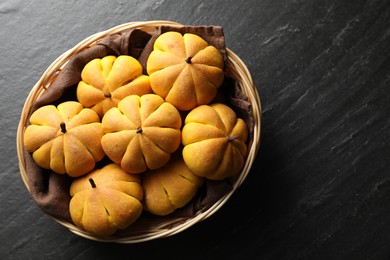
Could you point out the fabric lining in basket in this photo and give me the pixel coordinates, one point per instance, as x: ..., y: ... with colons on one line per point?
x: 50, y: 191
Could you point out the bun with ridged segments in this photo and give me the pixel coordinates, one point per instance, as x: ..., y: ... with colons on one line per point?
x: 185, y: 70
x: 169, y: 187
x: 141, y: 133
x: 65, y: 139
x: 105, y: 200
x: 107, y: 81
x: 214, y: 141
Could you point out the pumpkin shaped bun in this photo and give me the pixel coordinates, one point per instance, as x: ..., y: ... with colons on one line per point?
x: 65, y: 138
x: 185, y: 70
x: 108, y: 80
x: 169, y: 187
x: 214, y: 141
x: 141, y: 133
x: 105, y: 200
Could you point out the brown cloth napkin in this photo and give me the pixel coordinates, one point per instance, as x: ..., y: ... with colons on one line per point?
x: 49, y: 190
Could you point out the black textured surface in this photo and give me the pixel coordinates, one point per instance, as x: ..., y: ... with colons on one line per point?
x: 320, y: 186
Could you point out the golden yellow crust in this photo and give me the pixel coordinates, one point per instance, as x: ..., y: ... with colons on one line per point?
x: 108, y: 80
x: 185, y: 70
x: 106, y: 200
x: 141, y: 133
x: 170, y: 187
x: 214, y: 141
x: 65, y: 138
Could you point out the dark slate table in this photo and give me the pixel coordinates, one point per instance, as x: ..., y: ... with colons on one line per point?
x: 320, y: 185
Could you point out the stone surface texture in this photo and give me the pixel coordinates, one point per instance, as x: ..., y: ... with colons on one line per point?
x: 320, y: 185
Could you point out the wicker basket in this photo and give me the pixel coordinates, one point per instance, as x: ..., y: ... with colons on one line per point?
x: 164, y: 226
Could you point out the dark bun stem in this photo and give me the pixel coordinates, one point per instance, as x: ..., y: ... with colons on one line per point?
x: 63, y: 127
x: 188, y: 60
x: 92, y: 183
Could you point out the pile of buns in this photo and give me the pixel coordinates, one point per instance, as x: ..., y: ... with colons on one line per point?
x: 162, y: 132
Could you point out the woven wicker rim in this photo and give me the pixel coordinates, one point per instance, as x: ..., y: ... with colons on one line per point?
x: 165, y: 226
